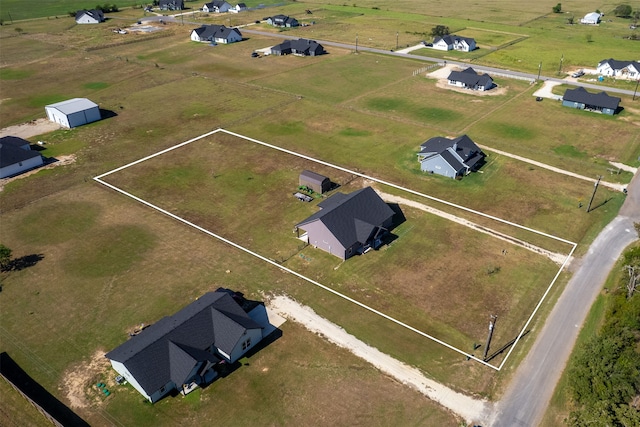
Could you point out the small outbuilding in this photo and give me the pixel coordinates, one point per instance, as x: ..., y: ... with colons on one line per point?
x: 73, y: 112
x: 315, y: 181
x: 16, y: 156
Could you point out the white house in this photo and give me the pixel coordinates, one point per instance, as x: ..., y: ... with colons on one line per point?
x: 453, y: 42
x: 217, y: 6
x: 16, y: 156
x: 240, y: 7
x: 73, y: 112
x: 89, y: 16
x: 620, y: 69
x: 183, y: 351
x: 216, y: 34
x: 592, y: 18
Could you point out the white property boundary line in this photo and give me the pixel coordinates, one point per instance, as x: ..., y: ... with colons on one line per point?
x: 320, y: 285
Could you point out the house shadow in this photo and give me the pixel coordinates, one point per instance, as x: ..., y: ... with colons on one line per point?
x: 107, y: 114
x: 38, y: 395
x: 398, y: 218
x: 619, y: 110
x: 23, y: 262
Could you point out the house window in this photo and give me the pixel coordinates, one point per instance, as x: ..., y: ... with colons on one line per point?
x: 20, y: 164
x: 162, y: 389
x: 246, y: 344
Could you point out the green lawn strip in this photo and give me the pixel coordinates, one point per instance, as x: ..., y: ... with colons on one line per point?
x: 16, y: 407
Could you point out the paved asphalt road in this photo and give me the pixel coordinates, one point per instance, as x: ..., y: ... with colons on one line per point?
x: 529, y: 393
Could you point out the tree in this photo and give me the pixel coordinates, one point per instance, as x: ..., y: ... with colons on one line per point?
x: 5, y: 257
x: 570, y: 20
x: 622, y: 11
x: 557, y: 8
x: 439, y: 31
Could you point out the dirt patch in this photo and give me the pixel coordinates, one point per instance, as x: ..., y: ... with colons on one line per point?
x: 50, y: 163
x: 29, y: 129
x: 78, y: 384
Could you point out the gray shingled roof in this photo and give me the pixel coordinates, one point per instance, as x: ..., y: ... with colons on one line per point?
x: 469, y: 77
x: 11, y: 151
x: 619, y: 65
x: 210, y: 32
x: 582, y: 96
x: 464, y: 147
x: 451, y: 38
x: 170, y: 348
x: 313, y: 177
x: 352, y: 217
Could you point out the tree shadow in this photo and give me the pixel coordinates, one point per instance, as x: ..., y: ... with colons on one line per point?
x: 23, y: 262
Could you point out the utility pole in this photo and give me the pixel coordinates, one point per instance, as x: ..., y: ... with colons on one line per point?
x: 396, y: 40
x: 356, y: 42
x: 561, y: 61
x: 539, y: 70
x: 636, y: 89
x: 595, y: 187
x: 492, y: 321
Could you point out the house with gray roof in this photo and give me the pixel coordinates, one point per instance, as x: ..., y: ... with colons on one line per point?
x: 183, y: 351
x: 94, y: 16
x: 217, y: 6
x: 216, y: 34
x: 171, y: 4
x: 470, y: 79
x: 453, y: 42
x: 282, y: 21
x: 348, y: 224
x: 619, y: 69
x: 301, y: 47
x: 597, y: 102
x: 450, y: 157
x: 16, y: 156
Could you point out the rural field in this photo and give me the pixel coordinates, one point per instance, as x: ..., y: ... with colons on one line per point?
x: 104, y: 263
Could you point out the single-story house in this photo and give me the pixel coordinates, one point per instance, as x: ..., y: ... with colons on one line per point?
x: 450, y: 157
x: 583, y: 100
x: 301, y: 47
x: 94, y: 16
x: 73, y: 112
x: 470, y: 79
x: 217, y: 6
x: 182, y: 351
x: 622, y: 69
x: 16, y: 156
x: 592, y: 18
x: 315, y: 181
x: 216, y: 34
x: 348, y: 224
x: 171, y: 4
x: 282, y: 21
x: 453, y: 42
x: 240, y: 7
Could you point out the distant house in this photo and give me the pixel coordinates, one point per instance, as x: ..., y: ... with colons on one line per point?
x: 218, y: 6
x: 216, y: 34
x: 73, y: 112
x: 16, y: 156
x: 450, y: 157
x: 315, y: 181
x: 470, y: 79
x: 597, y: 102
x: 348, y: 224
x: 621, y: 69
x: 183, y: 351
x: 453, y: 42
x: 240, y: 7
x: 282, y: 21
x: 171, y: 4
x: 89, y: 16
x: 302, y: 47
x: 592, y: 18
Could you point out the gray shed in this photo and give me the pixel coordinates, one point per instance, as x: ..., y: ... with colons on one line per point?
x: 315, y: 181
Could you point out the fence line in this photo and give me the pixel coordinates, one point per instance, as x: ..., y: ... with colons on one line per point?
x: 425, y: 69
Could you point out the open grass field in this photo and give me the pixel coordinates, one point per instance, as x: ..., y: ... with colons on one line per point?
x: 108, y: 263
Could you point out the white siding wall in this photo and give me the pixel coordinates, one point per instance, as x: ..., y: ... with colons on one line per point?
x: 255, y: 335
x: 122, y: 370
x: 57, y: 116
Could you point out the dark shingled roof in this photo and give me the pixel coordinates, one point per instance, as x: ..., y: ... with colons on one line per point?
x: 96, y: 14
x: 581, y: 96
x: 469, y: 77
x: 12, y: 151
x: 463, y: 146
x: 352, y: 217
x: 170, y: 348
x: 210, y: 32
x: 451, y: 38
x: 619, y: 65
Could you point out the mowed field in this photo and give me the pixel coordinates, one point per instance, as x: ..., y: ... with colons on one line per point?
x: 108, y: 264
